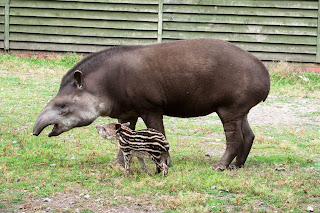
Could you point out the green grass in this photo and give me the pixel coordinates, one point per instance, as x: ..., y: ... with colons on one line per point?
x: 32, y: 167
x: 287, y: 82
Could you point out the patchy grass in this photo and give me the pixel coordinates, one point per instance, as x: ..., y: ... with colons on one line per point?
x: 54, y: 67
x: 287, y: 82
x: 281, y: 174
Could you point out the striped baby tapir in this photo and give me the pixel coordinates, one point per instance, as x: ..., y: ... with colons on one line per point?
x: 146, y: 143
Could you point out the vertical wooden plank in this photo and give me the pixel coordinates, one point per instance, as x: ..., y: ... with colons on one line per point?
x: 6, y: 24
x: 318, y: 36
x: 160, y: 20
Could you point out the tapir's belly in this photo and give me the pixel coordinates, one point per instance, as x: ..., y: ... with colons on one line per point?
x: 191, y: 105
x: 184, y: 112
x: 188, y: 109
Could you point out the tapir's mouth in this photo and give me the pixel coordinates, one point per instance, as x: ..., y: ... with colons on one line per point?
x: 56, y: 130
x: 53, y: 131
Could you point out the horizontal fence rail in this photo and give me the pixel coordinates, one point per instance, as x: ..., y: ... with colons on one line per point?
x: 272, y: 30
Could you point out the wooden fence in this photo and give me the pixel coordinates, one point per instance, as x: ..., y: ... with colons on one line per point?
x: 272, y: 30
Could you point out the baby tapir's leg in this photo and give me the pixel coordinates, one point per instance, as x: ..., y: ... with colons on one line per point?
x: 144, y: 165
x: 164, y: 165
x: 157, y: 162
x: 127, y: 160
x: 158, y: 167
x: 164, y: 169
x: 161, y: 166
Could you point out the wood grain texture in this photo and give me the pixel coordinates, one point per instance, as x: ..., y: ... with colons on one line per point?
x: 272, y: 30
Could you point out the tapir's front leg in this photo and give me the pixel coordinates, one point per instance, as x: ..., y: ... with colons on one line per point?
x: 155, y: 121
x: 119, y: 161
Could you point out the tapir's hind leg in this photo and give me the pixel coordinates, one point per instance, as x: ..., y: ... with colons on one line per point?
x: 244, y: 150
x: 154, y: 121
x: 232, y: 124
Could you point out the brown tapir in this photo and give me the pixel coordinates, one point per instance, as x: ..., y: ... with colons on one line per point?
x: 183, y: 79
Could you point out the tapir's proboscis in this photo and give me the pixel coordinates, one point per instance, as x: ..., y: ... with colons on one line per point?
x: 186, y: 78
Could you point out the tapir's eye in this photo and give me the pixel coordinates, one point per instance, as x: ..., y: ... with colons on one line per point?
x: 62, y: 106
x: 62, y: 109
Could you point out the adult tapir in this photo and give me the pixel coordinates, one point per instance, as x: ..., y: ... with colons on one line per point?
x: 186, y: 78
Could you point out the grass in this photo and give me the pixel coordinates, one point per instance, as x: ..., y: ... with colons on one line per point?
x: 281, y: 174
x: 287, y: 82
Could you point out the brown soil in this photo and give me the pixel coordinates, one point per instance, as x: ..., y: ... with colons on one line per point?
x: 77, y: 201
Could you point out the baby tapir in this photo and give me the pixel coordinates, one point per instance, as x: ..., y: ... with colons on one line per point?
x: 147, y: 143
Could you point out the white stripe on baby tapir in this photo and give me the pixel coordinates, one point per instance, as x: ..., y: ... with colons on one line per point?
x: 148, y: 143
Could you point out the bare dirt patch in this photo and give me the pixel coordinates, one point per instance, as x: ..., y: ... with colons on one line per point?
x: 77, y: 201
x: 293, y: 111
x: 279, y: 111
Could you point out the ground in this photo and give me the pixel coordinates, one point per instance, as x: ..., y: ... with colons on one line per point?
x: 279, y: 111
x: 77, y: 201
x: 274, y: 112
x: 293, y: 111
x: 69, y: 173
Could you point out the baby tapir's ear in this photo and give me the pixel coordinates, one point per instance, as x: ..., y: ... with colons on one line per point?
x: 101, y: 131
x: 100, y: 128
x: 126, y: 124
x: 117, y: 127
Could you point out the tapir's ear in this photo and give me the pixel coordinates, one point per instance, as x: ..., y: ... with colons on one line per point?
x: 78, y: 79
x: 117, y: 127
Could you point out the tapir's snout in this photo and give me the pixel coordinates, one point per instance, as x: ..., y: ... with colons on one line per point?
x: 36, y: 133
x: 40, y: 125
x: 63, y: 117
x: 36, y: 130
x: 46, y: 118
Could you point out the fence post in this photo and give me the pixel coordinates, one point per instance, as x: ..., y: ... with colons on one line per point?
x: 318, y: 35
x: 6, y: 24
x: 160, y: 20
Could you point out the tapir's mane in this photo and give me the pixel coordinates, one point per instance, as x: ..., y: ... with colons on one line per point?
x: 86, y: 64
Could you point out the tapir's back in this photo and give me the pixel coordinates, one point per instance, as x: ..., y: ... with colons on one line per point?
x: 193, y: 77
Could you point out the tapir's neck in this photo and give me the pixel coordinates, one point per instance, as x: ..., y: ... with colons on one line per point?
x: 105, y: 107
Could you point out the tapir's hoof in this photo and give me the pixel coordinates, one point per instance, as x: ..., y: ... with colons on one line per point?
x: 164, y: 170
x: 235, y: 166
x: 218, y: 167
x: 127, y: 174
x: 164, y: 173
x: 116, y: 162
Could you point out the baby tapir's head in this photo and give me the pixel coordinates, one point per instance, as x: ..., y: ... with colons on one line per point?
x: 109, y: 131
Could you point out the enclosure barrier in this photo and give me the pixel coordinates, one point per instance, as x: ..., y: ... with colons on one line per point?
x: 272, y: 30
